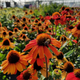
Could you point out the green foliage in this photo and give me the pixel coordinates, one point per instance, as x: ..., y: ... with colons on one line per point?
x: 48, y: 9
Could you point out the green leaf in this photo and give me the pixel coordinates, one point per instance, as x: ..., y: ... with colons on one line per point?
x: 69, y: 53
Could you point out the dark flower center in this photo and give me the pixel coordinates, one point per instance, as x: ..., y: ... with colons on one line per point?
x: 13, y: 58
x: 71, y: 27
x: 63, y: 8
x: 77, y: 73
x: 36, y: 21
x: 78, y: 27
x: 33, y: 29
x: 53, y: 67
x: 60, y: 56
x: 16, y: 30
x: 67, y: 9
x: 24, y: 37
x: 39, y: 24
x: 4, y: 33
x: 68, y: 16
x: 10, y: 34
x: 49, y: 30
x: 29, y: 20
x: 23, y: 25
x: 43, y: 41
x: 63, y: 38
x: 24, y: 19
x: 46, y: 27
x: 17, y: 21
x: 26, y: 75
x: 25, y: 28
x: 68, y: 67
x: 36, y: 66
x: 25, y: 12
x: 6, y: 42
x: 14, y: 17
x: 11, y: 39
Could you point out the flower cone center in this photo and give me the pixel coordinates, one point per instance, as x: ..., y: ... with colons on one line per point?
x: 68, y: 66
x: 43, y: 39
x: 26, y: 75
x: 13, y: 57
x: 10, y: 34
x: 60, y: 56
x: 78, y: 27
x: 6, y: 42
x: 77, y: 73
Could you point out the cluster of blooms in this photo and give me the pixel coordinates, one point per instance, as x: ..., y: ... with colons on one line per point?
x: 43, y: 48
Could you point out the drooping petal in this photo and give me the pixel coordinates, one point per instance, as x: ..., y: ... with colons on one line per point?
x: 56, y: 43
x: 40, y: 62
x: 4, y: 62
x: 53, y: 49
x: 32, y: 50
x: 32, y: 61
x: 29, y: 46
x: 19, y: 66
x: 4, y: 66
x: 41, y: 52
x: 35, y: 53
x: 47, y: 52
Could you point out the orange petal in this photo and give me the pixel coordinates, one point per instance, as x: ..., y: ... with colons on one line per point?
x: 32, y: 61
x: 4, y: 62
x: 29, y: 46
x: 56, y: 43
x: 47, y: 52
x: 32, y: 50
x: 41, y: 51
x: 35, y: 53
x: 53, y: 49
x: 23, y: 62
x: 19, y: 67
x: 4, y: 66
x: 40, y: 62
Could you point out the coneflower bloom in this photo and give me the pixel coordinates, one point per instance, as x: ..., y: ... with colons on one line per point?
x: 63, y: 39
x: 60, y: 58
x: 4, y: 34
x: 24, y: 37
x: 76, y: 31
x: 74, y: 75
x: 10, y: 33
x: 25, y: 29
x: 28, y: 74
x: 40, y: 46
x: 15, y: 61
x: 6, y: 44
x: 68, y: 67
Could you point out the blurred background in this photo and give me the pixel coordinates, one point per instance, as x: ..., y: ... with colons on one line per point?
x: 36, y: 3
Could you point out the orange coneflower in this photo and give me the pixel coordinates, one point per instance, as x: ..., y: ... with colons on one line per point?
x: 39, y: 46
x: 23, y: 19
x: 25, y: 29
x: 26, y: 13
x: 4, y: 34
x: 31, y: 12
x: 14, y: 17
x: 67, y: 68
x: 15, y: 61
x: 28, y: 74
x: 76, y: 31
x: 10, y: 33
x: 6, y: 44
x: 17, y: 22
x: 16, y: 31
x: 24, y: 37
x: 60, y: 58
x: 63, y: 39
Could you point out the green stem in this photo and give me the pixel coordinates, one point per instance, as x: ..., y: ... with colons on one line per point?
x: 46, y: 68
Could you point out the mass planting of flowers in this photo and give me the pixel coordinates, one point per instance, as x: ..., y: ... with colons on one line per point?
x: 40, y: 47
